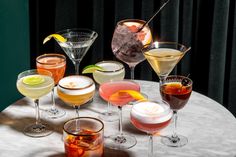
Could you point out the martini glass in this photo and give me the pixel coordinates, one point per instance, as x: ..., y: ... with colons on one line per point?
x: 77, y: 44
x: 127, y: 42
x: 163, y: 57
x: 34, y: 84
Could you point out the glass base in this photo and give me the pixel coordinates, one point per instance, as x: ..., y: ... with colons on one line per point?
x: 109, y: 116
x: 120, y: 141
x: 54, y: 113
x: 38, y: 130
x: 170, y: 141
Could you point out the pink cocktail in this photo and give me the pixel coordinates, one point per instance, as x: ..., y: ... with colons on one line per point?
x: 109, y: 91
x: 109, y: 88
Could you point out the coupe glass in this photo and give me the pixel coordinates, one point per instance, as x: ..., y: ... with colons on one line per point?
x: 112, y: 71
x: 163, y: 56
x: 150, y: 117
x: 176, y: 90
x: 76, y: 90
x: 56, y: 64
x: 83, y: 137
x: 127, y: 42
x: 35, y: 84
x: 77, y: 44
x: 108, y: 92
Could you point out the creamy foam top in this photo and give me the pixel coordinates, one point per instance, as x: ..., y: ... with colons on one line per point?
x: 151, y: 112
x: 110, y: 66
x: 76, y: 85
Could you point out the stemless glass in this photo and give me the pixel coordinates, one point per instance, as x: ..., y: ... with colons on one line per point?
x: 56, y: 64
x: 150, y: 117
x: 78, y: 43
x: 112, y: 71
x: 83, y: 137
x: 127, y: 42
x: 107, y: 91
x: 76, y: 90
x: 35, y: 84
x: 176, y: 90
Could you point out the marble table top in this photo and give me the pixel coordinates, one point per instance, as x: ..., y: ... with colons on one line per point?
x: 210, y: 128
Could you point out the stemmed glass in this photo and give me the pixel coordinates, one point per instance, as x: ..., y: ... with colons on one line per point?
x: 77, y: 44
x: 35, y: 84
x: 56, y: 64
x: 163, y: 56
x: 112, y: 71
x: 150, y: 117
x: 176, y: 90
x: 76, y: 90
x: 108, y: 91
x: 127, y: 42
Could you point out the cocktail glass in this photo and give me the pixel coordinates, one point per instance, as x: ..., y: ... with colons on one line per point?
x: 163, y: 56
x: 77, y: 44
x: 127, y: 42
x: 106, y: 91
x: 176, y: 91
x: 76, y: 90
x: 35, y: 84
x: 56, y: 64
x: 150, y: 117
x: 112, y: 71
x: 83, y: 137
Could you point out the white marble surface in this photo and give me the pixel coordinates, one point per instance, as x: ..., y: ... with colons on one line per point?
x: 210, y: 128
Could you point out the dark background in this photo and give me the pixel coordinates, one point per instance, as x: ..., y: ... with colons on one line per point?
x: 208, y: 26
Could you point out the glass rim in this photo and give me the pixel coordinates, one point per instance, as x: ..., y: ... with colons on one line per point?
x: 167, y: 110
x: 121, y: 66
x: 145, y: 47
x: 51, y: 54
x: 78, y: 118
x: 68, y: 30
x: 131, y: 20
x: 181, y: 77
x: 68, y: 88
x: 34, y: 71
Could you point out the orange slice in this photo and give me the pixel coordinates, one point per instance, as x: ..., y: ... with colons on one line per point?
x: 134, y: 94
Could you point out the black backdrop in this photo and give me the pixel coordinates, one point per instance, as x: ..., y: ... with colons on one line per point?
x: 208, y: 26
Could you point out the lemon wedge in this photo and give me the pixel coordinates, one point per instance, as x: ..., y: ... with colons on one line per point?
x: 55, y: 36
x: 134, y: 94
x: 33, y: 80
x: 91, y: 69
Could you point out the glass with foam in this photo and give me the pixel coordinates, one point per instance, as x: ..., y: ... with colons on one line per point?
x: 150, y: 117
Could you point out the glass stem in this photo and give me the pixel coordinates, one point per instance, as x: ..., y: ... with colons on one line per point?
x: 36, y: 102
x: 108, y: 108
x: 53, y: 108
x: 150, y: 145
x: 120, y: 120
x: 132, y: 72
x: 77, y: 110
x: 174, y: 135
x: 77, y: 68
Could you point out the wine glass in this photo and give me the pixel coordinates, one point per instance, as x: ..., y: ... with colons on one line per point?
x: 127, y: 42
x: 78, y: 42
x: 163, y: 56
x: 150, y: 117
x: 76, y: 90
x: 176, y: 90
x: 112, y: 71
x: 35, y: 84
x: 108, y: 92
x: 56, y: 64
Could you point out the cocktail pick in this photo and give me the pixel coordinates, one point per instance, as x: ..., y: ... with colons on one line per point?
x: 163, y: 5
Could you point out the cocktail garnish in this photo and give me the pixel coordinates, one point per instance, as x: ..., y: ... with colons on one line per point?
x: 134, y: 94
x: 91, y: 69
x: 55, y: 36
x: 185, y: 82
x: 33, y: 80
